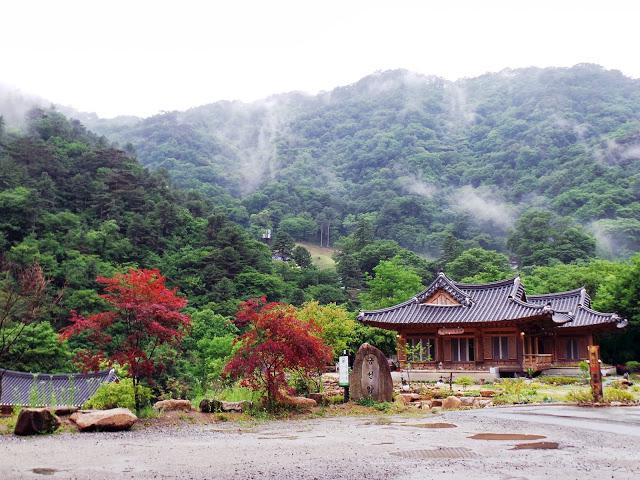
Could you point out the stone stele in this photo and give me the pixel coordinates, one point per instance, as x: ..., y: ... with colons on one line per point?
x: 370, y: 376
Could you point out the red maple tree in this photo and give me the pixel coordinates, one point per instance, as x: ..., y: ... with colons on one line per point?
x: 275, y: 342
x: 144, y: 314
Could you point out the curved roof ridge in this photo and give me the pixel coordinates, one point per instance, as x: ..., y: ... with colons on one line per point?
x: 557, y: 294
x: 517, y: 284
x: 496, y: 283
x: 585, y: 298
x: 534, y: 306
x: 413, y: 299
x: 602, y: 314
x: 444, y: 282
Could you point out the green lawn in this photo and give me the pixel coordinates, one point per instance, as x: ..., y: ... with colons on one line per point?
x: 321, y: 256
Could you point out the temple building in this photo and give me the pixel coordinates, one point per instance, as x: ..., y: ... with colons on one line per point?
x: 457, y: 326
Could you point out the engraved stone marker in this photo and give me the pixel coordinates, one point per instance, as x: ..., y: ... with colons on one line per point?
x: 371, y: 376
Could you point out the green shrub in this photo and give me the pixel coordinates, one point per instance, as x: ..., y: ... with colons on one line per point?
x: 148, y: 412
x: 472, y: 393
x: 515, y: 390
x: 9, y: 423
x: 380, y: 406
x: 117, y: 394
x: 617, y: 395
x: 305, y: 384
x: 558, y: 380
x: 633, y: 366
x: 238, y: 394
x: 582, y: 395
x: 510, y: 399
x: 584, y: 368
x: 335, y: 399
x: 464, y: 381
x: 440, y: 393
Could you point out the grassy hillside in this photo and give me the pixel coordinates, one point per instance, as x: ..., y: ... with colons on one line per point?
x: 322, y: 256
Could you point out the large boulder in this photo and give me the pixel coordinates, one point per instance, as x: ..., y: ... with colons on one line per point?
x: 172, y: 405
x: 451, y: 403
x: 319, y: 398
x: 407, y: 398
x: 298, y: 402
x: 112, y: 420
x: 371, y: 377
x: 33, y: 421
x: 467, y: 401
x: 237, y: 407
x: 63, y: 411
x: 481, y: 403
x: 210, y: 406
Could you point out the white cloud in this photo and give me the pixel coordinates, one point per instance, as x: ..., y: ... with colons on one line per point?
x: 124, y: 57
x: 413, y: 185
x: 483, y: 206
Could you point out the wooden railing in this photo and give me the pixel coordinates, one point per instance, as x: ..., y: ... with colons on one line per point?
x: 538, y: 362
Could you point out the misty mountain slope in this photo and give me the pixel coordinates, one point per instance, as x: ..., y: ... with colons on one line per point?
x: 420, y: 156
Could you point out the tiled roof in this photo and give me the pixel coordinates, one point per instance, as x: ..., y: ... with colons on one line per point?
x: 578, y: 303
x: 43, y: 389
x: 492, y: 302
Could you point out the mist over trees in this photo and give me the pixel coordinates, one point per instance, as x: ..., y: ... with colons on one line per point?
x: 533, y: 172
x: 421, y: 157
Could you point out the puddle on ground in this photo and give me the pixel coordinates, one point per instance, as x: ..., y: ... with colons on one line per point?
x: 536, y: 446
x: 506, y: 436
x: 431, y: 425
x: 44, y: 471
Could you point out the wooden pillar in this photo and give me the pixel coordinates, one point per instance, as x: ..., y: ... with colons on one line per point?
x: 596, y: 374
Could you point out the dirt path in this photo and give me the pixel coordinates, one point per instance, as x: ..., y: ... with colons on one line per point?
x: 592, y: 443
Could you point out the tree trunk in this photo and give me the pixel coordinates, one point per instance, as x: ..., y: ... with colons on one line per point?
x: 136, y: 395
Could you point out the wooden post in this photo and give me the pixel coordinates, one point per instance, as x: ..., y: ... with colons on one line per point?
x: 595, y: 372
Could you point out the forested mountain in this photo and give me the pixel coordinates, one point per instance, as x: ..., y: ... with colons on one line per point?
x: 80, y: 208
x: 420, y: 157
x: 533, y: 163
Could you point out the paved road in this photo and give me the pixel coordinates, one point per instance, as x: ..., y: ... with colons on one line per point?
x: 593, y: 444
x: 623, y: 421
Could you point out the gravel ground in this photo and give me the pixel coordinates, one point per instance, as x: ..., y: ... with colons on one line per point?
x: 593, y: 443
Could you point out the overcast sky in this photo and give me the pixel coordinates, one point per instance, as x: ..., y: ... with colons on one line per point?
x: 140, y: 57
